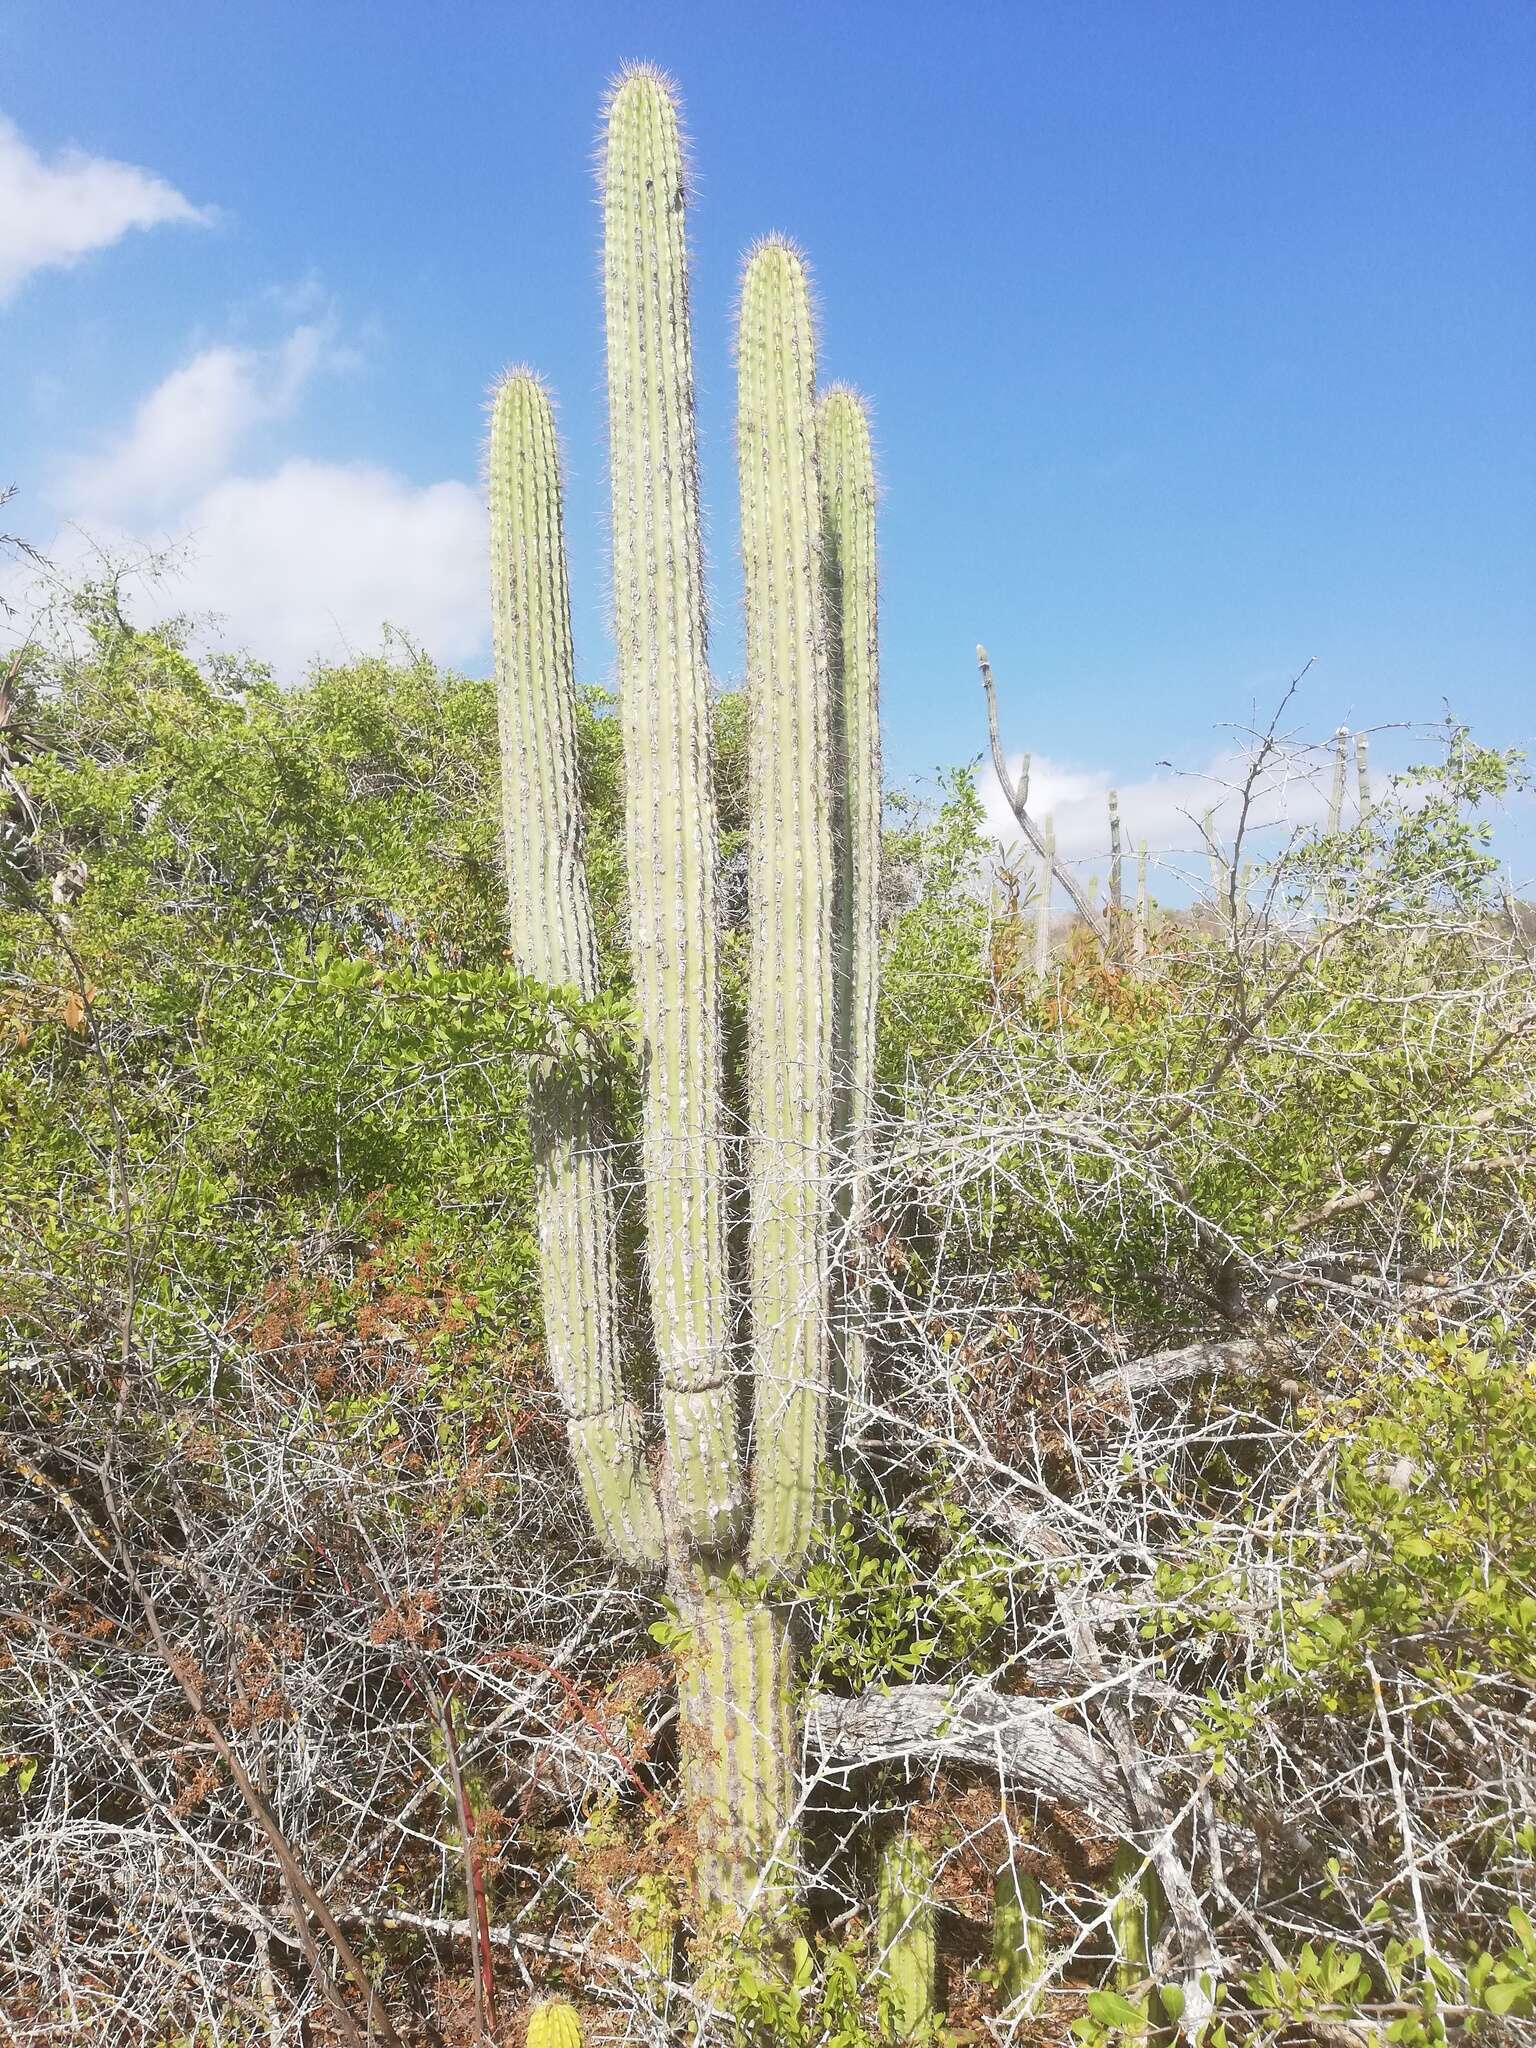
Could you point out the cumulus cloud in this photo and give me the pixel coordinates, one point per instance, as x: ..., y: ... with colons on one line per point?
x: 186, y: 432
x: 313, y: 559
x: 54, y: 213
x: 1164, y: 810
x: 303, y: 560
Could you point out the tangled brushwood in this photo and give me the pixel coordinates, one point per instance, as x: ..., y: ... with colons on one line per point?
x: 640, y: 1404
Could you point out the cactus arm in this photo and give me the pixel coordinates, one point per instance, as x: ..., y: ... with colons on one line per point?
x: 908, y: 1933
x: 1142, y: 935
x: 1116, y: 867
x: 552, y: 936
x: 852, y: 593
x: 1363, y: 773
x: 670, y: 837
x: 790, y: 1046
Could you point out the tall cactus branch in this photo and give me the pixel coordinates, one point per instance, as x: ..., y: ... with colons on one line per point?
x: 553, y: 939
x: 790, y: 1048
x: 670, y: 837
x: 851, y: 585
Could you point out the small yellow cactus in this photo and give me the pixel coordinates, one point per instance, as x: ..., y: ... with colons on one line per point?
x: 554, y: 2025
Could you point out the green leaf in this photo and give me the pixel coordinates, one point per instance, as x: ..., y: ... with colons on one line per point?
x: 1111, y: 2010
x: 1502, y: 1998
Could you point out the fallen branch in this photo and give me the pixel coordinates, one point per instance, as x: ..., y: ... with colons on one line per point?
x: 1024, y: 1741
x: 1188, y: 1362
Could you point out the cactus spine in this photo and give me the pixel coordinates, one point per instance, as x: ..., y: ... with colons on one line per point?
x: 851, y: 591
x: 552, y: 939
x: 908, y: 1932
x: 670, y: 832
x: 790, y: 1042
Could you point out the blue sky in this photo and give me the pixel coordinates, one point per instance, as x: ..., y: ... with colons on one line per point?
x: 1199, y: 337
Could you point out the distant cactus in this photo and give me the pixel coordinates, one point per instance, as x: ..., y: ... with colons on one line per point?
x: 1044, y: 888
x: 1363, y: 773
x: 1340, y: 776
x: 554, y: 2024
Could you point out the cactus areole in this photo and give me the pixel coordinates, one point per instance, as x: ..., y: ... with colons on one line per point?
x: 720, y: 1489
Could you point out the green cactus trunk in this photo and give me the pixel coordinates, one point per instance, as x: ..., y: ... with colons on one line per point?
x: 738, y: 1762
x: 852, y: 604
x: 907, y: 1927
x: 1018, y: 1934
x: 790, y: 1046
x: 670, y: 832
x: 1135, y: 1917
x: 552, y: 938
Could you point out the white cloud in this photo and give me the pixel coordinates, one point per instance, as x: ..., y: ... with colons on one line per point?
x: 1165, y: 810
x: 295, y: 562
x: 185, y: 434
x: 313, y: 559
x: 52, y: 214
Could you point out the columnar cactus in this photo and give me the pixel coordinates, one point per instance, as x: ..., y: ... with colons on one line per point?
x: 1018, y: 1933
x: 670, y: 832
x: 552, y: 938
x: 1044, y: 890
x: 1135, y: 1916
x: 907, y: 1926
x: 1340, y: 777
x: 808, y: 546
x: 790, y: 1050
x: 849, y: 571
